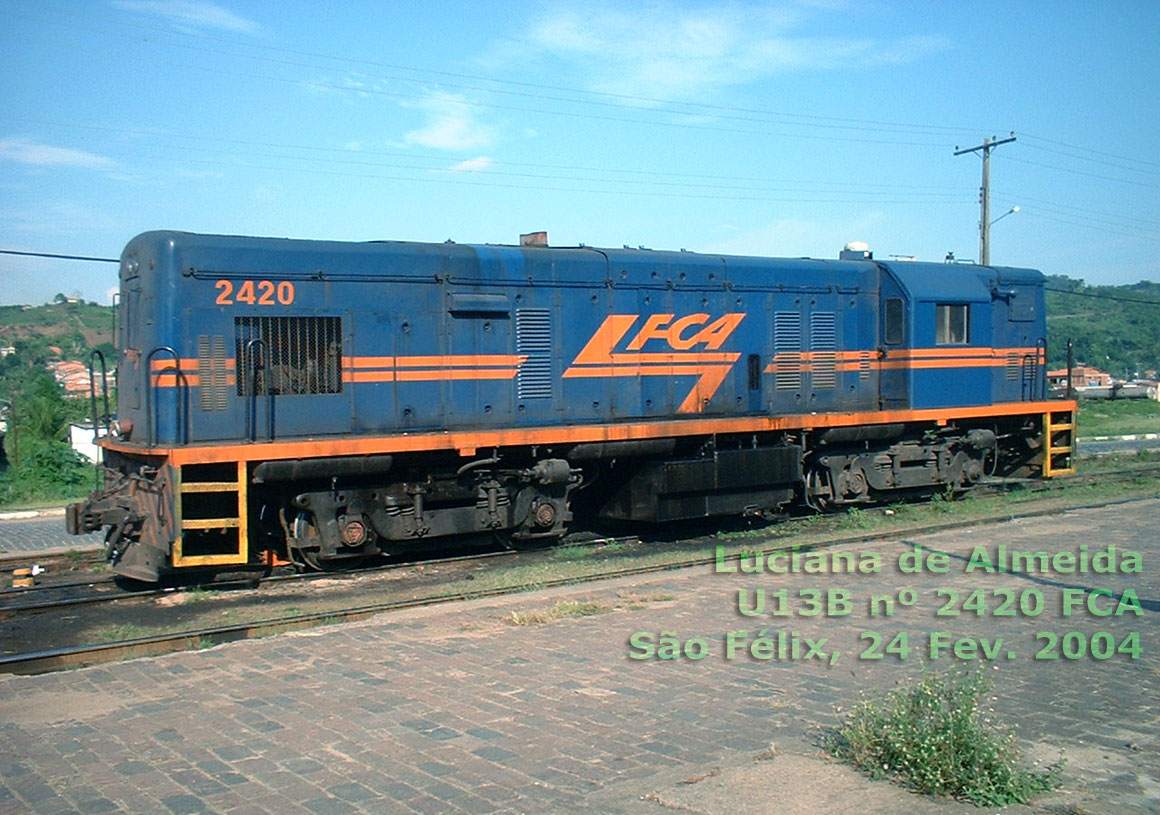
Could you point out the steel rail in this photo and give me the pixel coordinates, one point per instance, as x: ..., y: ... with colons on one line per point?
x: 257, y: 580
x: 999, y: 486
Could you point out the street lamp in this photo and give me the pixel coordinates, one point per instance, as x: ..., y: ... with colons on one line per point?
x: 1011, y: 211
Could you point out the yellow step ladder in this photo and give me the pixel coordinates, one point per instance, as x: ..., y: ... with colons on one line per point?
x: 1059, y: 442
x: 211, y: 515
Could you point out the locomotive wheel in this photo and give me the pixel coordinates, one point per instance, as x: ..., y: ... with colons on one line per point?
x: 301, y: 542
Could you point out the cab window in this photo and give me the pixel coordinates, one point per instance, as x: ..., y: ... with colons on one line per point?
x: 950, y: 324
x: 892, y: 321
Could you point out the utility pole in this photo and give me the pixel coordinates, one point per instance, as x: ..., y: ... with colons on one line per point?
x: 985, y: 194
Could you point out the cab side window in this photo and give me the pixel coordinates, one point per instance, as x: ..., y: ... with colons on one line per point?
x: 951, y: 325
x: 892, y: 322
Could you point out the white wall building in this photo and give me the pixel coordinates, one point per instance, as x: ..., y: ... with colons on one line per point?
x: 80, y: 436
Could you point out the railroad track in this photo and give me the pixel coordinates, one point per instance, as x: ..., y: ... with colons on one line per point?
x: 102, y: 589
x: 79, y: 655
x: 87, y: 557
x: 99, y: 589
x: 105, y: 590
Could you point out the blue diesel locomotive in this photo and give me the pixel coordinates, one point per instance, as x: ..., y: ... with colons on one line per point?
x: 317, y: 402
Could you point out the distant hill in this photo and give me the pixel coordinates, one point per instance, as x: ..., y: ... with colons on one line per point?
x: 74, y: 328
x: 1114, y: 328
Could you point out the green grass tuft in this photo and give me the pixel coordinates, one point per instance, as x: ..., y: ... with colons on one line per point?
x: 934, y: 738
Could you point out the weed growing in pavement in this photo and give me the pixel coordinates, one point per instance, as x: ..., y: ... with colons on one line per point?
x: 943, y: 501
x: 934, y: 738
x: 568, y: 608
x: 859, y: 518
x: 635, y: 601
x: 952, y: 502
x: 742, y: 534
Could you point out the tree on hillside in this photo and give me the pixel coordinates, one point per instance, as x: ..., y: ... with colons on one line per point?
x: 1116, y: 328
x: 40, y: 413
x: 42, y: 461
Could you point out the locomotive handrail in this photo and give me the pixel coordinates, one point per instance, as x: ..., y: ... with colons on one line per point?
x: 1032, y: 375
x: 251, y: 359
x: 1041, y: 349
x: 96, y: 354
x: 182, y: 394
x: 116, y: 304
x: 1070, y: 393
x: 116, y: 339
x: 1027, y: 378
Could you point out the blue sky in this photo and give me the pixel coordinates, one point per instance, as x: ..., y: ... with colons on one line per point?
x: 780, y: 129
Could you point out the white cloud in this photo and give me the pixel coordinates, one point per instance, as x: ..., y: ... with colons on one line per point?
x: 191, y: 13
x: 26, y: 151
x: 471, y: 165
x: 451, y: 125
x: 351, y: 86
x: 672, y: 51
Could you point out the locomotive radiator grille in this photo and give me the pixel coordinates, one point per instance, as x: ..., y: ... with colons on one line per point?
x: 787, y: 345
x: 213, y: 376
x: 1014, y: 367
x: 824, y: 350
x: 302, y: 355
x: 534, y: 341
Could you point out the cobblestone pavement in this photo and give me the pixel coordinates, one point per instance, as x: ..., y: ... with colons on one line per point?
x: 457, y: 710
x: 27, y: 535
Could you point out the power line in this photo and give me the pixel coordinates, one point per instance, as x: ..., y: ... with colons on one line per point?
x: 64, y: 257
x: 635, y: 109
x: 440, y: 162
x: 1083, y: 172
x: 233, y: 75
x: 1088, y: 223
x: 1103, y: 296
x: 470, y: 179
x: 1089, y: 150
x: 625, y: 186
x: 1119, y: 224
x: 1117, y: 165
x: 1114, y: 218
x: 627, y: 101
